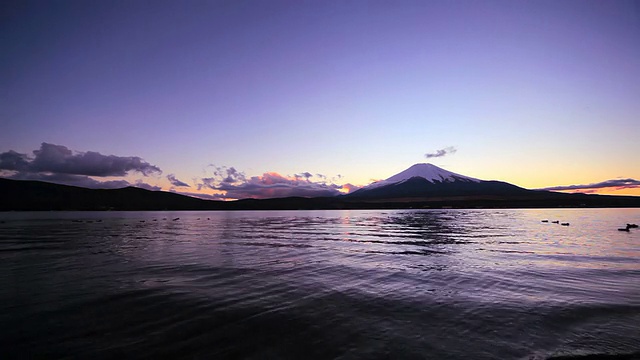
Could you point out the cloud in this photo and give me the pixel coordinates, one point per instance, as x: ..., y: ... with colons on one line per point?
x: 615, y: 183
x: 12, y: 160
x: 234, y: 184
x: 143, y: 185
x: 175, y: 182
x: 228, y: 175
x: 58, y: 159
x: 73, y: 180
x: 305, y: 175
x: 442, y: 152
x: 200, y: 195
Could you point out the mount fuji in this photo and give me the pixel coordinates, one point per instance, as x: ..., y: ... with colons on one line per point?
x: 428, y: 180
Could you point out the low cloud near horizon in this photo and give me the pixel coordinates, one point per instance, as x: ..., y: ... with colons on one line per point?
x: 618, y: 184
x: 175, y: 182
x: 236, y: 185
x: 81, y: 181
x: 442, y: 152
x: 58, y: 164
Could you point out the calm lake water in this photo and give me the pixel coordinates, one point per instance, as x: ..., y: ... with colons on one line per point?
x: 441, y: 284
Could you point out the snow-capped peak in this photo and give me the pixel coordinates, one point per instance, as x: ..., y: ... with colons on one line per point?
x: 429, y: 172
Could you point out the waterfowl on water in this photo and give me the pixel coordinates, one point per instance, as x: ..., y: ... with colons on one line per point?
x: 625, y: 229
x: 545, y: 220
x: 565, y: 224
x: 176, y: 219
x: 556, y: 222
x: 632, y: 225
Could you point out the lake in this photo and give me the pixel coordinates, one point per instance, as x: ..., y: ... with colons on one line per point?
x: 366, y: 284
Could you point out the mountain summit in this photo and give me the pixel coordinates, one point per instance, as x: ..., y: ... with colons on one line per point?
x: 428, y: 172
x: 428, y: 180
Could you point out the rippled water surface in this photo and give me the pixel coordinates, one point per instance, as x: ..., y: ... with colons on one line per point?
x: 445, y: 284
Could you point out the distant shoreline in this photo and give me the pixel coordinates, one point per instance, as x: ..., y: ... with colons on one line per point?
x: 41, y: 196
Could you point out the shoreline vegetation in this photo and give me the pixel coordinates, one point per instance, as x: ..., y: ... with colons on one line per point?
x: 22, y: 195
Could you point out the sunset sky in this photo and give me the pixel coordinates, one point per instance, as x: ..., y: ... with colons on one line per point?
x: 226, y: 98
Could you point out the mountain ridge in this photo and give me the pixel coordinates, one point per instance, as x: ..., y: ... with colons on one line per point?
x: 439, y: 189
x: 426, y: 171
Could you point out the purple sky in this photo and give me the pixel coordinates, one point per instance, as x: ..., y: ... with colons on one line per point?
x: 536, y: 93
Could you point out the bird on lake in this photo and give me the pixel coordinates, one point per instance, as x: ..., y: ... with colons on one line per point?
x: 556, y: 222
x: 545, y: 221
x: 565, y: 224
x: 632, y: 226
x: 625, y: 229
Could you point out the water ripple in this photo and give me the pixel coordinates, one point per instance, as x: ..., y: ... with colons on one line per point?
x: 455, y: 284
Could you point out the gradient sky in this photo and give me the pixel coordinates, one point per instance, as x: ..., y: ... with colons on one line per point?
x: 534, y: 93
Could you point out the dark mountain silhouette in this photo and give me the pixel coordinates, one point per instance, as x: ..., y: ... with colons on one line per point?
x: 38, y: 195
x: 427, y: 181
x: 417, y: 187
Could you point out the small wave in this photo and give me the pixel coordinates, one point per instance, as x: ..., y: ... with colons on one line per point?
x: 271, y: 245
x: 598, y: 356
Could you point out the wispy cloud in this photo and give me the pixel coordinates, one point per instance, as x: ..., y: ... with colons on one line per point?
x: 200, y: 195
x: 442, y: 152
x: 143, y: 185
x: 175, y: 182
x: 614, y: 183
x: 58, y: 159
x: 234, y: 184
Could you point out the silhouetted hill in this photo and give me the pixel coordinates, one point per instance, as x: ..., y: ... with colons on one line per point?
x: 37, y: 195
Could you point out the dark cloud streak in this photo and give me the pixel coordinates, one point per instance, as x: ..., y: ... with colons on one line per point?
x: 442, y: 152
x: 175, y: 182
x: 72, y: 180
x: 615, y: 183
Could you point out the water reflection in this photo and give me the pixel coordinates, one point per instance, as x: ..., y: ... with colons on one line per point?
x: 436, y: 283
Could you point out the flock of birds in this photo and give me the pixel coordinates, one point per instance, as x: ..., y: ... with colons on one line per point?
x: 629, y: 226
x: 556, y: 222
x: 91, y: 221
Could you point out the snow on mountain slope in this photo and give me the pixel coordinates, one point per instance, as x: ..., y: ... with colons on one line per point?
x: 429, y: 172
